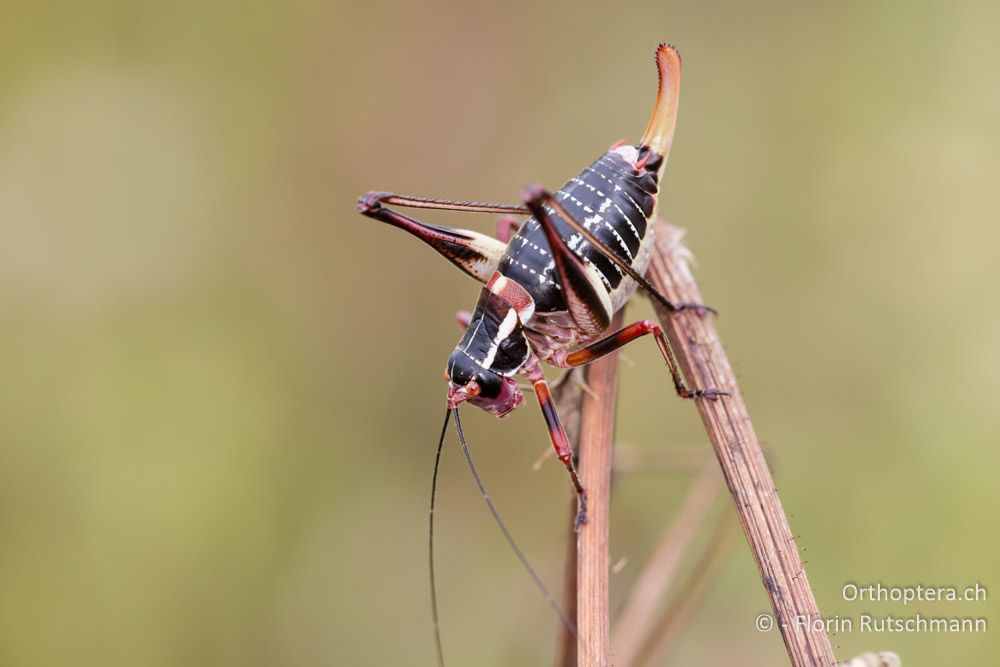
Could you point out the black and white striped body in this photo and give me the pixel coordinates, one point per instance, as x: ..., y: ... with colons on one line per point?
x: 616, y: 202
x: 550, y: 292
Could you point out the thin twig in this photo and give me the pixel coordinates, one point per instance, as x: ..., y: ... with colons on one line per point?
x: 638, y: 614
x: 566, y: 647
x: 568, y: 391
x: 727, y: 422
x: 596, y: 438
x: 690, y: 597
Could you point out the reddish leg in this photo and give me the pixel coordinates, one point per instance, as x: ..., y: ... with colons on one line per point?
x: 506, y: 228
x: 533, y: 371
x: 625, y: 336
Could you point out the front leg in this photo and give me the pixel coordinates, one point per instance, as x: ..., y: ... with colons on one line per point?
x: 557, y: 434
x: 623, y: 337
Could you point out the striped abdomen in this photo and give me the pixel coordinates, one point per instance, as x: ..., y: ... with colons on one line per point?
x: 615, y: 202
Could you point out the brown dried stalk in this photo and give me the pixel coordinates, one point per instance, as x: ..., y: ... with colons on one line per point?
x: 667, y: 630
x: 597, y: 417
x: 566, y: 648
x: 638, y: 616
x: 568, y: 391
x: 699, y: 351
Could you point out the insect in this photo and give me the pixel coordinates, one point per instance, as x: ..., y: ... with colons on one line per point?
x: 551, y: 287
x: 552, y: 284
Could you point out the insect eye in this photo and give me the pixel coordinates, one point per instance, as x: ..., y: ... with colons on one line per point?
x: 490, y: 384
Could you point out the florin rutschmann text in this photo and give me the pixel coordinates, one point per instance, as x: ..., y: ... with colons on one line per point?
x: 899, y: 594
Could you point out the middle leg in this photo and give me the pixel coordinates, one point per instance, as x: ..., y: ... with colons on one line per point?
x: 625, y: 336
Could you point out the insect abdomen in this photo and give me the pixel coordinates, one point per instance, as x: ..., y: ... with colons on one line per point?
x: 614, y: 201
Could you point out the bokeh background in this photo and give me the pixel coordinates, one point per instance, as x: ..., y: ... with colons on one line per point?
x: 221, y: 387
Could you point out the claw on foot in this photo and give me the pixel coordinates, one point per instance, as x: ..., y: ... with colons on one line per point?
x: 370, y: 201
x: 581, y: 513
x: 710, y: 394
x: 700, y: 308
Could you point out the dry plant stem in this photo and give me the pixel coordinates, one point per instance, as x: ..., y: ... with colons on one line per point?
x: 637, y: 617
x: 596, y: 437
x: 677, y: 617
x: 566, y: 648
x: 727, y: 422
x: 568, y: 393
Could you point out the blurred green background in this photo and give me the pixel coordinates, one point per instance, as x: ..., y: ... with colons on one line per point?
x: 222, y: 387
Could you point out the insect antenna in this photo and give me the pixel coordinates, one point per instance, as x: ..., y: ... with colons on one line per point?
x: 570, y: 626
x: 430, y: 540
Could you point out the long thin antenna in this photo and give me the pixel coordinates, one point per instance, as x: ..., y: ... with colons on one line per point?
x: 430, y: 541
x: 570, y: 627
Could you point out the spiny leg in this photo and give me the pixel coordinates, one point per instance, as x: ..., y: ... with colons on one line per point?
x: 536, y: 197
x: 625, y: 336
x: 557, y: 434
x: 476, y: 254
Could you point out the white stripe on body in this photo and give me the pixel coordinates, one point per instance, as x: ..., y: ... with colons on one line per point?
x: 618, y: 188
x: 506, y: 327
x: 607, y: 201
x: 595, y: 218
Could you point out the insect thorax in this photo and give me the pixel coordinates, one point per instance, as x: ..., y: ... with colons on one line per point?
x: 494, y: 341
